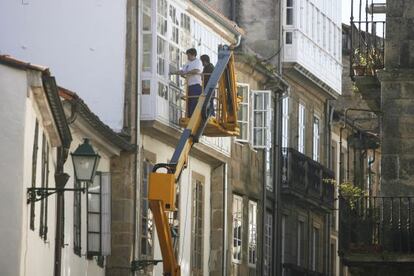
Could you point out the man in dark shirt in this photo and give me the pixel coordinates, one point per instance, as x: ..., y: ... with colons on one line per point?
x: 208, y: 68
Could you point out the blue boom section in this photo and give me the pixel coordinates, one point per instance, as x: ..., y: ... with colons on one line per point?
x: 224, y: 54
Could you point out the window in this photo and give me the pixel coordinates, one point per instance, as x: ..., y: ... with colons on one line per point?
x: 316, y: 138
x: 252, y: 233
x: 237, y: 228
x: 268, y: 246
x: 243, y: 114
x: 197, y: 228
x: 289, y: 12
x: 77, y: 218
x: 147, y: 243
x: 146, y: 36
x: 301, y: 128
x: 162, y: 90
x: 261, y: 119
x: 161, y: 56
x: 34, y: 171
x: 300, y: 252
x: 99, y: 216
x: 315, y: 249
x: 285, y: 122
x: 45, y: 184
x: 289, y: 38
x: 146, y: 87
x: 162, y: 9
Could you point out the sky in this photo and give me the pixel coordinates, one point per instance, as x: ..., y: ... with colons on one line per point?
x: 346, y: 9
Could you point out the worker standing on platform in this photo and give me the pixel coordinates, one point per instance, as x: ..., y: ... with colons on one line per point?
x: 208, y: 68
x: 192, y: 71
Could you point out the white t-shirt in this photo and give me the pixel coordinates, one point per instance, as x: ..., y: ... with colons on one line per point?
x: 191, y: 65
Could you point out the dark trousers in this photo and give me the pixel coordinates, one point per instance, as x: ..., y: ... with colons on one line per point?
x: 194, y: 91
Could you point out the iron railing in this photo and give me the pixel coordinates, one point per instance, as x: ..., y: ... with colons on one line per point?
x: 376, y: 224
x: 367, y: 40
x: 294, y: 270
x: 302, y: 175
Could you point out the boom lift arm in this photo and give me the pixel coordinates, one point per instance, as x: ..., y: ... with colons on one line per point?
x: 162, y: 188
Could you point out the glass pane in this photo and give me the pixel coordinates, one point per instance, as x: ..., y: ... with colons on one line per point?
x: 289, y: 16
x: 146, y: 21
x: 93, y: 242
x: 94, y: 223
x: 83, y: 166
x: 289, y: 38
x: 93, y: 202
x: 259, y: 119
x: 146, y: 87
x: 258, y: 101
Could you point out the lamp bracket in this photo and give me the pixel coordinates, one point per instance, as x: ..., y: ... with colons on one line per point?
x: 35, y: 194
x: 141, y: 264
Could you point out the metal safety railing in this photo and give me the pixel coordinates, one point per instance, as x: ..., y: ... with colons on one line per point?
x: 376, y: 224
x: 367, y: 40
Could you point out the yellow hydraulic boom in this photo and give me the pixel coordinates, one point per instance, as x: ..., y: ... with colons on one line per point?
x: 162, y: 188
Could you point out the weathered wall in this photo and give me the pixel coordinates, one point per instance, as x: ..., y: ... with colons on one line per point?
x: 397, y: 101
x: 13, y: 88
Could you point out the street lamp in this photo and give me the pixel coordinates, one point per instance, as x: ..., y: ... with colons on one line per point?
x: 85, y: 161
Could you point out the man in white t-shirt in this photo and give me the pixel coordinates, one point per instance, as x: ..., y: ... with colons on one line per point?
x: 192, y: 71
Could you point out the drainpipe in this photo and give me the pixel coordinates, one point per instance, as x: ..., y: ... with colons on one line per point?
x: 61, y: 179
x: 369, y: 173
x: 135, y: 134
x: 233, y: 10
x: 225, y: 212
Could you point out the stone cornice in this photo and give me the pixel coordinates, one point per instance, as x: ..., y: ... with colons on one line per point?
x: 396, y: 75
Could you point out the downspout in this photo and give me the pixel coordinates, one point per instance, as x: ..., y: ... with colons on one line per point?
x: 369, y: 173
x: 135, y: 133
x: 233, y: 10
x: 278, y: 268
x: 225, y: 203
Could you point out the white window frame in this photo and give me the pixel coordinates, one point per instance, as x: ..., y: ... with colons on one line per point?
x: 316, y: 137
x: 301, y: 127
x: 315, y: 248
x: 244, y: 105
x: 285, y: 122
x: 103, y: 229
x: 237, y: 256
x: 300, y: 245
x: 252, y: 238
x: 265, y: 112
x: 287, y: 9
x: 268, y: 244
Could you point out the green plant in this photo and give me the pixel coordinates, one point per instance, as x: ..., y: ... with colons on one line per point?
x: 375, y: 59
x: 355, y: 88
x: 351, y: 193
x: 359, y: 58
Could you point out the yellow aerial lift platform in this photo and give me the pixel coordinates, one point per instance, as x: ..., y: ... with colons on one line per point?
x: 162, y: 188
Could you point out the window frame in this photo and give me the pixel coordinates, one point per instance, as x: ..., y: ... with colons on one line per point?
x: 268, y: 244
x: 301, y: 127
x: 252, y: 235
x: 316, y: 138
x: 104, y: 244
x: 266, y: 112
x: 146, y: 219
x: 43, y: 229
x: 237, y: 234
x: 245, y: 103
x: 289, y: 13
x: 77, y: 219
x: 197, y: 225
x: 285, y: 122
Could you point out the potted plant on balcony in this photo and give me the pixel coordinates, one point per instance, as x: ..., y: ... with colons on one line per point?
x: 375, y: 61
x: 359, y: 63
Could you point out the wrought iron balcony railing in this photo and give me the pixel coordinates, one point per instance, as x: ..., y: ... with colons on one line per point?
x: 376, y: 224
x: 294, y: 270
x: 307, y: 178
x: 367, y: 40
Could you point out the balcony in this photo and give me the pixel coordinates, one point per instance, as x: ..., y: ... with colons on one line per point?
x: 294, y: 270
x: 367, y: 47
x: 377, y: 229
x: 305, y: 178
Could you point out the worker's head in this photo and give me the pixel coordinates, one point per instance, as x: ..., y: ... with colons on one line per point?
x: 191, y: 54
x: 205, y: 59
